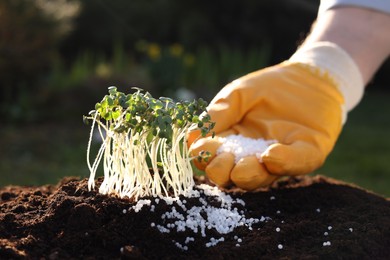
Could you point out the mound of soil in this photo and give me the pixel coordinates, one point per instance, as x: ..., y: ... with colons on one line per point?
x: 305, y: 218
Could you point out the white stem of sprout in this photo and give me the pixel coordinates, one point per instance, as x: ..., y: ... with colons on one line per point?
x: 126, y: 171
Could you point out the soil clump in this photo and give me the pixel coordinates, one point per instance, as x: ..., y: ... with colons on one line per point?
x: 300, y: 217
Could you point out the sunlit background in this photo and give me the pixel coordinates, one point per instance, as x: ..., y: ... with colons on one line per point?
x: 57, y: 58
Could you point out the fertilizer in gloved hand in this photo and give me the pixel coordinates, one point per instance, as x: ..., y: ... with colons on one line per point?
x: 241, y: 146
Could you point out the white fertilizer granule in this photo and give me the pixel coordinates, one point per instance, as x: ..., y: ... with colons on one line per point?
x: 211, y: 212
x: 242, y: 146
x: 137, y: 207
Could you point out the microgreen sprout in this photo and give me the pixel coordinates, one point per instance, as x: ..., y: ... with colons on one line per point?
x: 144, y: 149
x: 203, y: 156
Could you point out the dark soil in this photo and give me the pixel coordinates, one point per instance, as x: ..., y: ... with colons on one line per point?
x: 68, y: 221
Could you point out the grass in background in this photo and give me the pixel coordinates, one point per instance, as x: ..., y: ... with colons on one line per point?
x: 42, y: 154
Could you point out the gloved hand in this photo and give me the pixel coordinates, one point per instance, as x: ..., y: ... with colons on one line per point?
x: 301, y: 103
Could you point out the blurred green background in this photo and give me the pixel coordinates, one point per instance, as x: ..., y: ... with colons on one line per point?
x: 57, y: 58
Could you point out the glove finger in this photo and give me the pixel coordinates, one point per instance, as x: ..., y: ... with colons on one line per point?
x: 223, y: 109
x: 201, y: 146
x: 249, y: 174
x: 207, y: 144
x: 193, y: 136
x: 295, y: 159
x: 218, y: 170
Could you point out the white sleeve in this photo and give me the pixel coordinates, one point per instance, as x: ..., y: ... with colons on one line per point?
x: 379, y: 5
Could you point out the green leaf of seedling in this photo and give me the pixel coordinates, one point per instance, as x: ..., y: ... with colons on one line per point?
x: 195, y: 119
x: 158, y: 104
x: 98, y: 106
x: 166, y: 99
x: 127, y: 117
x: 138, y: 129
x: 123, y: 102
x: 180, y: 115
x: 104, y: 103
x: 162, y: 134
x: 167, y: 119
x: 112, y: 90
x: 211, y: 126
x: 140, y: 109
x: 192, y: 108
x: 204, y: 131
x: 180, y: 123
x: 115, y: 114
x: 108, y: 116
x: 103, y: 114
x: 204, y: 156
x: 155, y: 104
x: 110, y: 101
x: 168, y: 102
x: 202, y: 103
x: 133, y: 121
x: 206, y: 118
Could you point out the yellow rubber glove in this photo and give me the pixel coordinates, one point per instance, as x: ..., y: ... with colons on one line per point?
x: 297, y: 103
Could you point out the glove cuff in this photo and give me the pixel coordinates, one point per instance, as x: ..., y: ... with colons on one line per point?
x: 332, y: 59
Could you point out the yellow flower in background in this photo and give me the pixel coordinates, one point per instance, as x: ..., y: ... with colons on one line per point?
x: 189, y: 60
x: 103, y: 70
x: 176, y: 50
x: 154, y: 51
